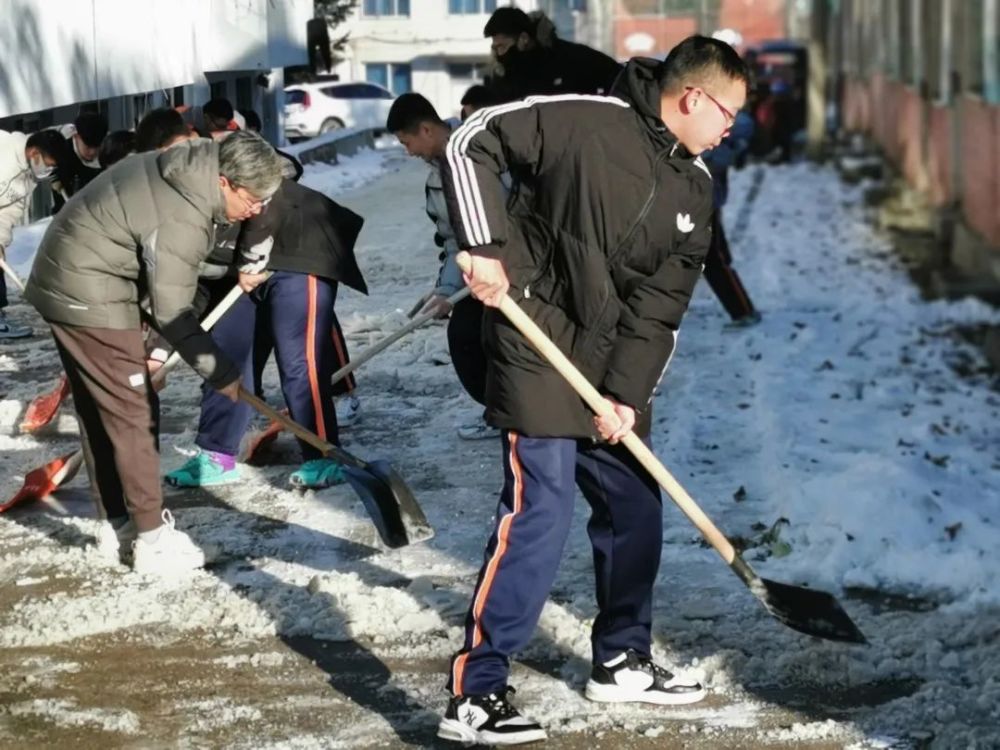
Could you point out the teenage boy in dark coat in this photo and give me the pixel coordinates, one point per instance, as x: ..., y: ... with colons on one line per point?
x: 603, y: 251
x: 415, y: 122
x: 82, y: 163
x: 307, y: 241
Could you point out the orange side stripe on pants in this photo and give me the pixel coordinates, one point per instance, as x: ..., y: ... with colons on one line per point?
x: 338, y: 346
x: 311, y: 361
x: 503, y: 534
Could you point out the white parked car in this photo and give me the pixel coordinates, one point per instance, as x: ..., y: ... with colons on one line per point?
x: 314, y: 108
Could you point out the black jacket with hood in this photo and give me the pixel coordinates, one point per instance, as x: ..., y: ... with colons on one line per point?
x: 301, y: 231
x: 559, y: 67
x: 603, y: 248
x: 312, y: 234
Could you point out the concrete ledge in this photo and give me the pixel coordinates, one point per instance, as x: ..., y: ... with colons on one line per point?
x: 327, y: 148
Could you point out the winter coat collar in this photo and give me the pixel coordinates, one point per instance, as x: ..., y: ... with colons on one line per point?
x: 638, y: 86
x: 192, y: 169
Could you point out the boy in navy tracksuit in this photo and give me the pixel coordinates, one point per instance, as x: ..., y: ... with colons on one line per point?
x: 413, y: 120
x: 307, y: 242
x: 602, y: 251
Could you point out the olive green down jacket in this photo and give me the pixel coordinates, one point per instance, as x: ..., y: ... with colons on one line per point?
x: 137, y: 233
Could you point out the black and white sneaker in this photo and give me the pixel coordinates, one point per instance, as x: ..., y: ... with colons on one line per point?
x: 630, y: 678
x: 487, y: 720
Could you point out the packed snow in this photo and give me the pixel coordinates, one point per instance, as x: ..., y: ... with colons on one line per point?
x: 848, y: 442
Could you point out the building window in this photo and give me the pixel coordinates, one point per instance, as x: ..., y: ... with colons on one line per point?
x: 552, y: 7
x: 467, y: 73
x: 396, y: 77
x: 471, y: 7
x: 386, y: 7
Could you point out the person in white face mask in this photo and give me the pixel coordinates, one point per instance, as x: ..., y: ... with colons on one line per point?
x: 24, y: 162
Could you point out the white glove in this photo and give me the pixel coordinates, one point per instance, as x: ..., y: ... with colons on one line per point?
x: 254, y: 259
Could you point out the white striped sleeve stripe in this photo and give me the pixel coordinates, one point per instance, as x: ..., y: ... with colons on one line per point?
x: 470, y: 199
x: 670, y: 358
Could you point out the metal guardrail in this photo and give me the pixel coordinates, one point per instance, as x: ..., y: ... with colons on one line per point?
x: 329, y: 146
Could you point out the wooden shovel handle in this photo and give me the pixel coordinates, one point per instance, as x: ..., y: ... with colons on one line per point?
x: 206, y: 324
x: 392, y: 338
x: 602, y: 407
x: 13, y: 276
x: 327, y: 448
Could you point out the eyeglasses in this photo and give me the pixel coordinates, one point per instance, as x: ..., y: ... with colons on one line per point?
x: 252, y: 204
x: 730, y: 116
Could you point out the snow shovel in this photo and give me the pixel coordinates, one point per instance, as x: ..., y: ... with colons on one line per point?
x: 45, y: 480
x: 390, y: 503
x: 272, y: 430
x: 392, y: 338
x: 13, y: 276
x: 48, y: 478
x: 43, y: 409
x: 812, y: 612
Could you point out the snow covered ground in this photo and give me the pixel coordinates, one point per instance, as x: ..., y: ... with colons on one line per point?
x: 836, y: 442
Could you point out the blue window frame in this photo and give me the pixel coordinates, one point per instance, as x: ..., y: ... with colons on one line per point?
x: 402, y: 80
x: 397, y: 77
x: 471, y: 7
x: 377, y: 73
x: 386, y: 7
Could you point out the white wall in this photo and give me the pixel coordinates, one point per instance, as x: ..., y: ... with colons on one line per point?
x: 61, y: 52
x: 126, y: 61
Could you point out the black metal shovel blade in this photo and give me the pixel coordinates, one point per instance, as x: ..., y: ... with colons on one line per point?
x: 390, y: 503
x: 808, y: 611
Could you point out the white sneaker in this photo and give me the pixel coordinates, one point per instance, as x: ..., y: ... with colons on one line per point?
x: 487, y: 720
x: 348, y: 410
x: 112, y: 542
x: 171, y: 552
x: 478, y: 431
x: 631, y: 678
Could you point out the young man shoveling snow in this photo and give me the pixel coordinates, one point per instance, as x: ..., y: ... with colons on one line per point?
x: 602, y: 249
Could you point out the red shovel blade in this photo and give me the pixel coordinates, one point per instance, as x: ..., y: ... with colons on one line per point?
x: 46, y: 479
x: 257, y: 442
x: 44, y: 408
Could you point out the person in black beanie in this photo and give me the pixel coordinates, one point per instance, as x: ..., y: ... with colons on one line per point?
x: 535, y: 61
